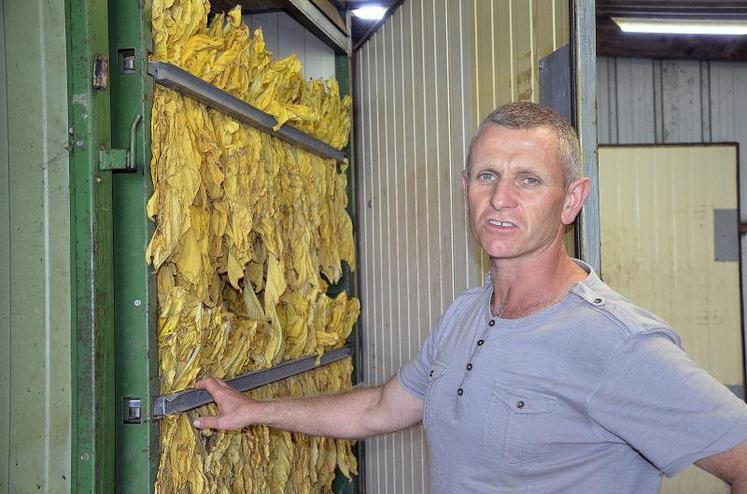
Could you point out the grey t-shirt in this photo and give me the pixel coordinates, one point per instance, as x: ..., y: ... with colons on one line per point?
x: 593, y: 394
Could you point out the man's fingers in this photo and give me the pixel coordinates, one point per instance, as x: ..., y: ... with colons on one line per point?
x: 211, y: 385
x: 204, y: 383
x: 207, y: 422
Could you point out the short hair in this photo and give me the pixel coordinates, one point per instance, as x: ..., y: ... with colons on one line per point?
x: 528, y: 115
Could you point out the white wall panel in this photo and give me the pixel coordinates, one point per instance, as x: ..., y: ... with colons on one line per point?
x: 419, y: 93
x: 413, y: 106
x: 284, y: 36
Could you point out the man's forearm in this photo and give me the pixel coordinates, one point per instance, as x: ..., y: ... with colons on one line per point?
x: 345, y: 415
x: 355, y: 414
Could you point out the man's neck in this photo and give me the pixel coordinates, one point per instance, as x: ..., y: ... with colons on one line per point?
x: 524, y: 286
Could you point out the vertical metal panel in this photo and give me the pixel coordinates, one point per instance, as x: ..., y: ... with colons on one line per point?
x: 584, y: 94
x: 681, y: 104
x: 284, y: 36
x: 421, y: 91
x: 671, y: 101
x: 728, y: 113
x: 35, y: 273
x: 5, y: 272
x: 634, y: 122
x: 555, y: 81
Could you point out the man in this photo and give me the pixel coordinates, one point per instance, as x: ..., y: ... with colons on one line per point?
x: 544, y: 380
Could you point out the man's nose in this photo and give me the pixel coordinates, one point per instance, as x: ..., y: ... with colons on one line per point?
x: 504, y: 195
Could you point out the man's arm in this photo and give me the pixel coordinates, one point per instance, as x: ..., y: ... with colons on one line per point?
x: 730, y: 466
x: 355, y: 414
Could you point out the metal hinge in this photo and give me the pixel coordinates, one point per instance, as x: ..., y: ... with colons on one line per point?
x: 100, y: 79
x: 114, y: 159
x: 121, y: 159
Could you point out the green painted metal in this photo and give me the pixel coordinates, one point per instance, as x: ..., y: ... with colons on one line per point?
x: 34, y: 251
x: 350, y: 281
x: 5, y: 272
x: 112, y: 159
x: 136, y: 354
x: 92, y: 446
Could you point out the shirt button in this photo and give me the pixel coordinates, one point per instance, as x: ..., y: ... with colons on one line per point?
x: 597, y: 301
x: 460, y: 391
x: 520, y: 404
x: 491, y: 323
x: 469, y: 366
x: 480, y: 342
x: 430, y: 374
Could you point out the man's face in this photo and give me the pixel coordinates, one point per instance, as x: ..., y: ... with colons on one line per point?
x: 515, y: 191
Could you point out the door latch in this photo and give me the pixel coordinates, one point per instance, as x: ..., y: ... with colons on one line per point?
x: 121, y: 159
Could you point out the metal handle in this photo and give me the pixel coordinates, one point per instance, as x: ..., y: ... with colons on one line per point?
x: 130, y: 158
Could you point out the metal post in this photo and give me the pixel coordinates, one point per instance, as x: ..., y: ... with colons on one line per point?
x: 584, y: 111
x: 135, y: 315
x: 92, y: 443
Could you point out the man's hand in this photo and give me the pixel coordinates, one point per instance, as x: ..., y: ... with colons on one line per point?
x: 730, y: 466
x: 234, y: 407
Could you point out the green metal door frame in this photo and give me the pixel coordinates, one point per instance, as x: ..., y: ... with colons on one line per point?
x: 135, y: 298
x: 350, y: 279
x: 92, y: 442
x: 114, y: 290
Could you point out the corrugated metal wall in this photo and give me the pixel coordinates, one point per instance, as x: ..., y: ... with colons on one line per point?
x: 422, y: 83
x: 283, y: 36
x: 645, y: 101
x: 35, y: 251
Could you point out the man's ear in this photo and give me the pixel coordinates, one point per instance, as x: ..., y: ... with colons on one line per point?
x: 465, y: 179
x: 575, y: 196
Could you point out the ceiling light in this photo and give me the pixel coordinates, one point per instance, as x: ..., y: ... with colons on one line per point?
x: 681, y: 26
x: 370, y: 12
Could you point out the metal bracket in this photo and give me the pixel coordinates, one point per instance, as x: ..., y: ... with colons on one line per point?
x: 121, y: 159
x: 183, y: 82
x: 133, y: 411
x: 190, y: 399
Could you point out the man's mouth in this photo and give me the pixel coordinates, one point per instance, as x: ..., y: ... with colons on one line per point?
x: 503, y: 224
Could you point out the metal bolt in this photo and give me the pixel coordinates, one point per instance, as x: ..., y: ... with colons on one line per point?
x: 84, y: 457
x: 70, y: 131
x: 98, y: 180
x: 137, y: 303
x: 79, y: 144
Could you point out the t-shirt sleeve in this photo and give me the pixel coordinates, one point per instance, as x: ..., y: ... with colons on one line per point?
x: 656, y: 398
x: 413, y: 376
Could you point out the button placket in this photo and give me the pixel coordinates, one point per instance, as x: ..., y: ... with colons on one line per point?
x: 470, y: 365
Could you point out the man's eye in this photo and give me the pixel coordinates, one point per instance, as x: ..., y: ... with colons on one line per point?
x: 485, y: 176
x: 530, y: 180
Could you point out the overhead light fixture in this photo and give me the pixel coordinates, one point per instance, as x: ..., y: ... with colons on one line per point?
x: 681, y: 26
x: 370, y: 12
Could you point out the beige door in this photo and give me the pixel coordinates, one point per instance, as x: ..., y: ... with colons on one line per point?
x: 657, y: 248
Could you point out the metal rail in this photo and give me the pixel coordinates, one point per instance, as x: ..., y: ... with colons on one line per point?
x: 181, y: 81
x: 193, y: 398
